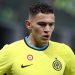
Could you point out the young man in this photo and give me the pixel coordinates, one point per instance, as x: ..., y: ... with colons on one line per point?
x: 36, y: 55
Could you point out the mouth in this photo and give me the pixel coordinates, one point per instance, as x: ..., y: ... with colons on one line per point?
x: 46, y: 37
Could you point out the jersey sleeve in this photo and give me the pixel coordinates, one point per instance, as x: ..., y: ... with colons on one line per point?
x: 4, y: 60
x: 70, y: 61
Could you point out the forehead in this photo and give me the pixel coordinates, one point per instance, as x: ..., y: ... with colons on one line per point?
x: 44, y: 17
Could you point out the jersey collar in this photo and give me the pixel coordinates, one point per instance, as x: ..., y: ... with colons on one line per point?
x: 34, y: 47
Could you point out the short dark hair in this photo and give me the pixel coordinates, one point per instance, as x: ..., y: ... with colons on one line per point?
x: 40, y: 7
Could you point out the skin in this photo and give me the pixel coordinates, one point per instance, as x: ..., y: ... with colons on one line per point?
x: 41, y: 27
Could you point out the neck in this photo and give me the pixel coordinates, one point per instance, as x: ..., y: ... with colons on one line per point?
x: 34, y: 42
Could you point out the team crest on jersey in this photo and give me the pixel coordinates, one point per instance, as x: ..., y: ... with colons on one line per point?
x: 29, y: 57
x: 57, y: 65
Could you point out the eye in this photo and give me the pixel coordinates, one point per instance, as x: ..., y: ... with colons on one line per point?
x: 51, y: 24
x: 43, y: 24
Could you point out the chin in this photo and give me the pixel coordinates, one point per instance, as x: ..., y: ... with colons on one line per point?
x: 45, y: 42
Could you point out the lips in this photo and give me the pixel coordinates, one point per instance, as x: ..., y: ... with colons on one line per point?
x: 46, y: 37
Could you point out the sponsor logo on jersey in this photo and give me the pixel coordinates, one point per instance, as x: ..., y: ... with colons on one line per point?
x: 23, y: 66
x: 57, y: 65
x: 29, y: 57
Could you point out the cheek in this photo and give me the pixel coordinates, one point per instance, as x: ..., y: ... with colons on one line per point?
x: 37, y: 30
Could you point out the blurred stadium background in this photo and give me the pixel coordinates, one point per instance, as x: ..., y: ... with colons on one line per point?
x: 13, y: 14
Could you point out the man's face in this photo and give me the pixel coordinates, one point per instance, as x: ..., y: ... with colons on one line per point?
x: 42, y: 26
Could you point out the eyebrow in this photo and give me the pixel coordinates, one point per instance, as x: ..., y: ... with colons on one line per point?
x: 46, y: 22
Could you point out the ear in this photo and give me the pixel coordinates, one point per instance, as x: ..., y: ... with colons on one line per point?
x: 28, y: 24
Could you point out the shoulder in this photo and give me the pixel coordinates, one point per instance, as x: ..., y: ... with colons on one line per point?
x: 61, y: 47
x: 16, y: 43
x: 13, y: 46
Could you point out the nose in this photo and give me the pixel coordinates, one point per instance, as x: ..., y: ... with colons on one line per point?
x: 47, y: 29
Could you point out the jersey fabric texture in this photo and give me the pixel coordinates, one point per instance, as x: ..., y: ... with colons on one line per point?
x: 20, y: 58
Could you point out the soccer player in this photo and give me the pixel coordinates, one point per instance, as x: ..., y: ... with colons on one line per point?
x: 36, y: 54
